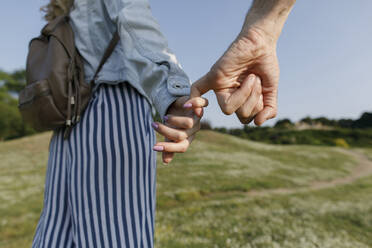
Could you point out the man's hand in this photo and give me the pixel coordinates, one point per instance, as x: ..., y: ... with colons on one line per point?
x: 253, y: 52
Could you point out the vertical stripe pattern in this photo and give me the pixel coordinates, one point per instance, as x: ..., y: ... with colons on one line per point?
x: 100, y: 183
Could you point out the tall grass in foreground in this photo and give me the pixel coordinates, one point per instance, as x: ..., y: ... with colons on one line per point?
x: 204, y: 200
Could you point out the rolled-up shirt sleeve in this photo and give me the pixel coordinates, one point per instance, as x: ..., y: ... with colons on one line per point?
x: 146, y: 53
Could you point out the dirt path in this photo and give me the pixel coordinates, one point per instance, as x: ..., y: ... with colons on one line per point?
x: 363, y: 169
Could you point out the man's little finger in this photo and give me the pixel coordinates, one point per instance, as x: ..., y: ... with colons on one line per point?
x: 181, y: 121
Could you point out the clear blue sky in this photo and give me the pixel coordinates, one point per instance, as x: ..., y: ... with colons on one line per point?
x: 325, y: 50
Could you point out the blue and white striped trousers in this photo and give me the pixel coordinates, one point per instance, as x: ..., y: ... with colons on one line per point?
x: 100, y: 183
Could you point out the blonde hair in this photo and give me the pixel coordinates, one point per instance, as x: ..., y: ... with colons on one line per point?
x: 57, y: 8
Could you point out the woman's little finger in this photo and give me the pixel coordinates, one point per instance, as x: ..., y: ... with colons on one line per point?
x: 170, y: 133
x: 178, y: 147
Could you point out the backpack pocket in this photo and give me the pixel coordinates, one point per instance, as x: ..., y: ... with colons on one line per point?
x: 38, y: 107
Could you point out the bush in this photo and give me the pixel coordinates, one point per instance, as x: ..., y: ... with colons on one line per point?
x: 341, y: 143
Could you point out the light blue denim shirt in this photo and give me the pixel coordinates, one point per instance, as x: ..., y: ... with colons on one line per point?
x: 142, y: 57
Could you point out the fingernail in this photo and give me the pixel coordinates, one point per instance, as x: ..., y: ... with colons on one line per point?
x: 166, y: 118
x: 251, y: 77
x: 187, y: 105
x: 158, y: 148
x: 155, y: 125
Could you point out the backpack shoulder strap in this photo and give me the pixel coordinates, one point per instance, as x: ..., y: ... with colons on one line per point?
x: 52, y: 25
x: 114, y: 41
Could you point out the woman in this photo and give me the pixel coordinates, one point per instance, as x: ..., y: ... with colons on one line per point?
x: 100, y: 183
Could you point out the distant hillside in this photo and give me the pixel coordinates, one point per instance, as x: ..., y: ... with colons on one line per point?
x: 317, y: 131
x: 224, y: 192
x: 363, y: 122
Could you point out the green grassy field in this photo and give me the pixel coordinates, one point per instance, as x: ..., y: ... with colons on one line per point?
x: 225, y: 192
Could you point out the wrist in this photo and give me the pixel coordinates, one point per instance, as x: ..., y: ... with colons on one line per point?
x: 263, y: 26
x: 268, y: 16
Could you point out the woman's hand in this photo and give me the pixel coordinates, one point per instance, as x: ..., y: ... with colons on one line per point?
x: 180, y: 125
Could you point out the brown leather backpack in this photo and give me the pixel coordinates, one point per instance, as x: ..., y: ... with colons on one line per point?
x: 56, y: 93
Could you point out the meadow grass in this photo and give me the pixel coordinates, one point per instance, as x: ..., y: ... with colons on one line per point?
x: 203, y: 196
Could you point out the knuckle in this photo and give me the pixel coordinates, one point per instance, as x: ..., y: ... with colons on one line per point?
x: 183, y: 149
x: 275, y: 113
x: 257, y: 110
x: 251, y: 83
x: 227, y: 110
x: 184, y: 136
x: 260, y: 107
x: 258, y: 80
x: 206, y: 102
x: 257, y: 89
x: 189, y: 124
x: 246, y: 114
x: 177, y: 137
x: 249, y: 89
x: 180, y: 136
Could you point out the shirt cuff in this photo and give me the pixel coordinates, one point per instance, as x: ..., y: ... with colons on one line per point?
x: 167, y: 93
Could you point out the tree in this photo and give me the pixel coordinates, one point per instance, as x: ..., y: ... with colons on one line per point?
x: 11, y: 123
x: 307, y: 120
x: 15, y: 81
x: 365, y: 121
x: 283, y: 123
